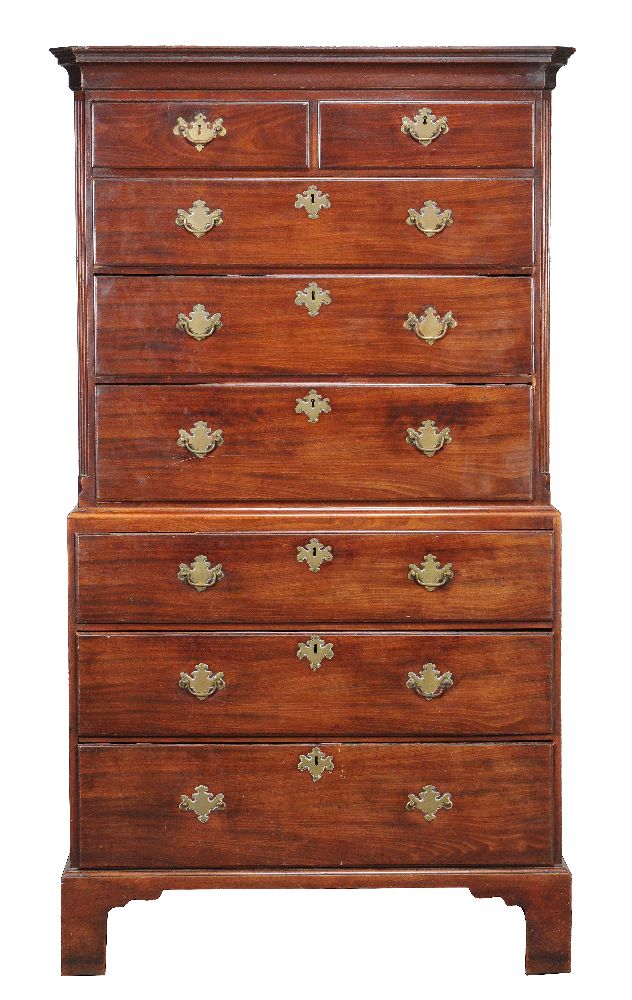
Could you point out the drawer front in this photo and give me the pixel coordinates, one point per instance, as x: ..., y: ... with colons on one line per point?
x: 157, y: 327
x: 369, y: 134
x: 365, y: 225
x: 362, y: 577
x: 338, y: 684
x: 344, y: 443
x: 166, y: 134
x: 354, y: 815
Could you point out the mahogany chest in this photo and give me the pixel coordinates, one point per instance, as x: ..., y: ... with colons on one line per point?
x: 314, y: 569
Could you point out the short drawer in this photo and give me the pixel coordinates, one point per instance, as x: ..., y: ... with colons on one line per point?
x: 312, y: 443
x: 338, y: 684
x: 143, y: 223
x: 425, y: 134
x: 158, y: 806
x: 333, y: 576
x: 163, y: 326
x: 204, y: 135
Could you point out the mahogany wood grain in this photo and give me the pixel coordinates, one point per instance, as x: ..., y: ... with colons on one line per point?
x: 498, y: 576
x: 361, y: 331
x: 368, y: 134
x: 358, y: 451
x: 135, y: 224
x: 128, y: 685
x: 278, y: 816
x: 258, y: 135
x: 543, y: 893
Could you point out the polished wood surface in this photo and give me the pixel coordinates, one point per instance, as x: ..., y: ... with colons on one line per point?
x: 264, y: 333
x: 365, y: 225
x: 498, y: 576
x: 358, y: 451
x: 270, y: 135
x: 138, y: 741
x: 356, y: 134
x: 128, y: 685
x: 275, y: 815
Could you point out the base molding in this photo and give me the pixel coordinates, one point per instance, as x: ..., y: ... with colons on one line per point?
x: 544, y: 894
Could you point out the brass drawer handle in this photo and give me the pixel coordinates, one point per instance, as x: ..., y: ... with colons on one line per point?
x: 431, y: 574
x: 199, y: 219
x: 314, y: 554
x: 428, y: 438
x: 316, y: 762
x: 429, y: 326
x: 200, y: 131
x: 201, y: 440
x: 313, y: 297
x: 312, y: 405
x: 200, y: 574
x: 429, y: 220
x: 200, y: 323
x: 315, y: 650
x: 202, y: 803
x: 201, y: 683
x: 312, y: 200
x: 425, y: 127
x: 429, y: 802
x: 429, y: 683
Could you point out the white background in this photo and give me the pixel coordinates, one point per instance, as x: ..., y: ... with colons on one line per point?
x: 291, y: 944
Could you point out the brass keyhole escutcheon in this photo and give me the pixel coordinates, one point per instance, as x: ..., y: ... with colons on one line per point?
x: 312, y: 405
x: 313, y: 297
x: 315, y: 650
x: 316, y: 762
x: 312, y: 200
x: 314, y: 554
x: 424, y: 127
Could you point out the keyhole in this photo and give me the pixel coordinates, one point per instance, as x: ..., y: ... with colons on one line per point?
x: 316, y: 760
x: 313, y: 294
x: 425, y: 120
x: 314, y: 552
x: 312, y: 199
x: 312, y: 403
x: 315, y: 649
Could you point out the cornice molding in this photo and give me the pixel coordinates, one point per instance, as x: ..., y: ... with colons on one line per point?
x: 121, y: 67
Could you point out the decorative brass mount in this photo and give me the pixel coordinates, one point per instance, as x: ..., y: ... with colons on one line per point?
x: 429, y: 683
x: 201, y: 683
x: 424, y: 127
x: 313, y: 297
x: 429, y: 220
x: 199, y: 219
x: 316, y: 762
x: 201, y: 440
x: 314, y: 554
x: 202, y: 803
x: 200, y: 324
x: 315, y: 650
x: 431, y: 574
x: 427, y: 438
x: 200, y: 131
x: 429, y: 326
x: 312, y: 200
x: 200, y: 574
x: 312, y: 405
x: 429, y: 802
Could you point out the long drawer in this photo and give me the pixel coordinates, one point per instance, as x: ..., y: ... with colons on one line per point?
x: 316, y: 324
x: 366, y: 225
x: 338, y: 684
x: 370, y: 806
x: 326, y: 442
x: 282, y: 576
